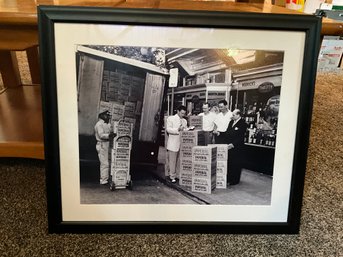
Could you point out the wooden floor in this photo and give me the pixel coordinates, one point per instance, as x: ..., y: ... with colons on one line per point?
x: 21, y: 131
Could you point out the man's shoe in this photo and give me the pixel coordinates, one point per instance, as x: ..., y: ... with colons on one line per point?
x: 173, y: 180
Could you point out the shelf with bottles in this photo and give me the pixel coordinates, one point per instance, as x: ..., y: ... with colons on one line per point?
x: 260, y: 137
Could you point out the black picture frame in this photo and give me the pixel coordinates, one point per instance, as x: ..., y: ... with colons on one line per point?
x: 50, y: 16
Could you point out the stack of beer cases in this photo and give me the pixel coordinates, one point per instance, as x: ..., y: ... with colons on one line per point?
x: 189, y: 139
x: 222, y: 161
x: 204, y: 169
x: 117, y: 111
x: 196, y: 122
x: 130, y: 116
x: 121, y: 152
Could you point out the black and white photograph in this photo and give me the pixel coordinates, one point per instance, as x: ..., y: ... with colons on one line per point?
x: 172, y: 120
x: 164, y: 125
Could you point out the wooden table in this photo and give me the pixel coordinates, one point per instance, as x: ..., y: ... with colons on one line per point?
x: 21, y: 133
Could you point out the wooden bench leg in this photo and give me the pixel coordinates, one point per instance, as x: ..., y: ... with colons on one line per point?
x: 9, y: 69
x: 33, y: 60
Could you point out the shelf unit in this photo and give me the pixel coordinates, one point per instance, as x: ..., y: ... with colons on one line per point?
x: 21, y: 132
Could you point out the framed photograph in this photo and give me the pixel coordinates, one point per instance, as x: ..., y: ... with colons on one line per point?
x: 176, y: 121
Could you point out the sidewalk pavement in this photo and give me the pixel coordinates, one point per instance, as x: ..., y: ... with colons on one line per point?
x: 254, y: 188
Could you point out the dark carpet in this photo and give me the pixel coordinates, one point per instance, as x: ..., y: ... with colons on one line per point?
x: 23, y: 217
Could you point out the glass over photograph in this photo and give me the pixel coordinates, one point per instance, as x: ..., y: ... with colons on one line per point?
x: 164, y: 125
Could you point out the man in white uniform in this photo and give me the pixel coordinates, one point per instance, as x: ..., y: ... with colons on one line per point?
x: 207, y: 123
x: 221, y: 122
x: 103, y: 134
x: 175, y: 124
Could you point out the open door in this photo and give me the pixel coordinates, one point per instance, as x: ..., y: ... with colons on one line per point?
x: 89, y: 89
x: 151, y: 110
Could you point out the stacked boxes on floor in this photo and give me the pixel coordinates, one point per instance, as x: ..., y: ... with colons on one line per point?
x: 120, y: 153
x: 204, y: 169
x: 189, y: 139
x: 122, y: 95
x: 222, y: 161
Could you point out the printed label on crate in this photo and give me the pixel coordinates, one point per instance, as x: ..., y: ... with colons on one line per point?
x: 186, y: 168
x: 121, y: 154
x: 118, y: 108
x: 187, y: 182
x: 130, y: 106
x: 122, y: 142
x: 115, y: 76
x: 186, y: 154
x: 221, y: 181
x: 121, y: 164
x: 222, y: 151
x: 202, y: 185
x: 120, y: 176
x: 221, y: 167
x: 196, y: 121
x: 129, y: 109
x: 204, y: 170
x: 105, y: 106
x: 186, y: 148
x: 116, y: 117
x: 204, y: 154
x: 130, y: 120
x: 122, y: 128
x: 185, y: 160
x: 195, y: 137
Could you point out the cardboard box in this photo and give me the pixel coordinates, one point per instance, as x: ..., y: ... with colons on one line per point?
x: 222, y: 152
x: 106, y: 75
x: 186, y: 180
x: 194, y: 137
x: 120, y: 164
x: 120, y: 177
x: 186, y: 173
x: 122, y: 142
x: 123, y: 128
x: 221, y: 181
x: 105, y: 106
x: 204, y: 170
x: 115, y: 76
x: 121, y: 154
x: 196, y: 121
x: 202, y: 185
x: 129, y: 109
x: 186, y: 151
x: 186, y: 167
x: 221, y: 168
x: 117, y: 108
x: 330, y: 54
x: 204, y: 154
x: 126, y: 80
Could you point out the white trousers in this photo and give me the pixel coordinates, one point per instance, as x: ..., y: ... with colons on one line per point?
x: 174, y: 163
x: 102, y: 149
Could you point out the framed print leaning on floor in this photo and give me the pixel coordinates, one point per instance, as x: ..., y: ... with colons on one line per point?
x: 113, y: 83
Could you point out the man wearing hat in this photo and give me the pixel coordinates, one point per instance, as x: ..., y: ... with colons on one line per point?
x: 103, y: 135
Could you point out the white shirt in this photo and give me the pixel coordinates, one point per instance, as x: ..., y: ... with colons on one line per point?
x: 222, y: 121
x: 208, y: 121
x: 173, y: 124
x: 102, y: 130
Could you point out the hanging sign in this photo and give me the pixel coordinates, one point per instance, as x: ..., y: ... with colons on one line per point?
x: 174, y: 75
